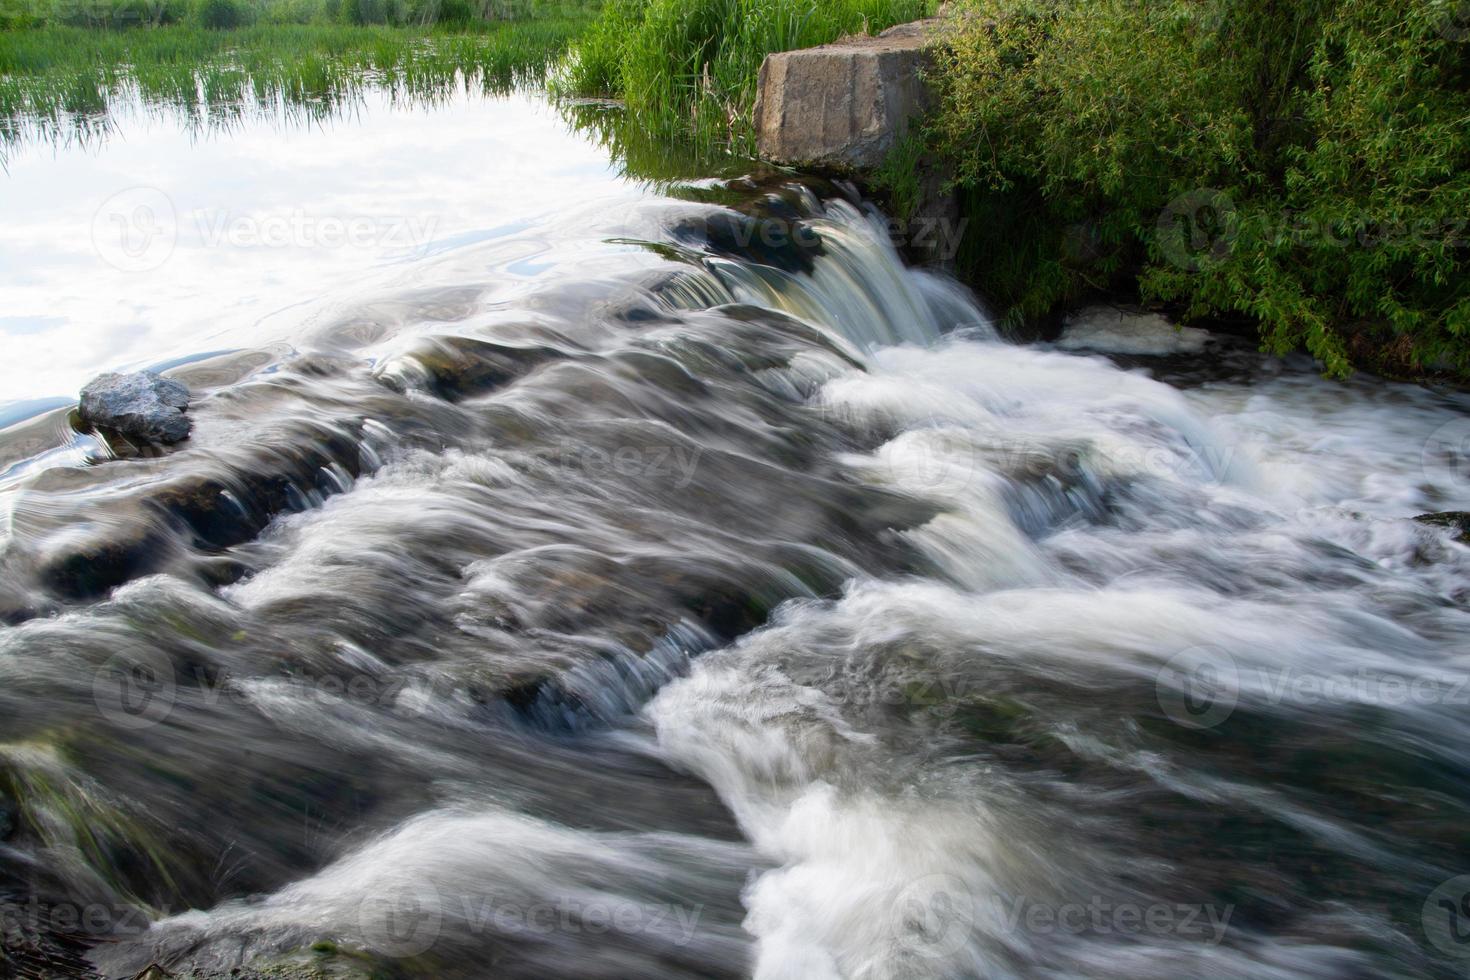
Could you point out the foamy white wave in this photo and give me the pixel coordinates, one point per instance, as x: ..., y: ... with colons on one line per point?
x: 448, y: 879
x: 1095, y: 527
x: 1009, y: 722
x: 896, y: 860
x: 858, y: 287
x: 1390, y: 450
x: 1026, y: 403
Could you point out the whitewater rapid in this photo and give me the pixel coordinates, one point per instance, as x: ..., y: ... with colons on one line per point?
x: 752, y: 612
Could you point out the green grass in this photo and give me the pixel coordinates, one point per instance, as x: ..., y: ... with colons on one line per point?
x: 60, y: 82
x: 225, y: 14
x: 685, y: 69
x: 688, y: 68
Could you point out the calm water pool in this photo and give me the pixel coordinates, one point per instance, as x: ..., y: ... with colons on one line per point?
x: 158, y: 243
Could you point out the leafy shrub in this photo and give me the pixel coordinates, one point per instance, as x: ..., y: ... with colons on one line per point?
x: 222, y: 14
x: 1303, y: 162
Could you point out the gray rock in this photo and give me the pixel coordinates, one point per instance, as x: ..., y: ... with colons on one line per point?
x: 844, y: 106
x: 140, y: 405
x: 1453, y: 520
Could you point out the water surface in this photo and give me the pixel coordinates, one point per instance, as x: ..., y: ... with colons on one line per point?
x: 609, y: 586
x: 160, y: 242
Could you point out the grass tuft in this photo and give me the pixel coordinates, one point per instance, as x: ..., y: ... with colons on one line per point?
x: 688, y: 68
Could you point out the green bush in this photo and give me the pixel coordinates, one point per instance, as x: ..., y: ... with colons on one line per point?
x: 454, y: 12
x: 222, y: 14
x: 1305, y: 163
x: 690, y: 66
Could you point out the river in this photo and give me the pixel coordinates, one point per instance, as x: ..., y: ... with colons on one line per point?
x: 577, y: 576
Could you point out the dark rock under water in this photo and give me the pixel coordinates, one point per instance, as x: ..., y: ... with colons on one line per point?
x: 141, y: 406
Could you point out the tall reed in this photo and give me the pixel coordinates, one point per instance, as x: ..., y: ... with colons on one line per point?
x: 689, y: 67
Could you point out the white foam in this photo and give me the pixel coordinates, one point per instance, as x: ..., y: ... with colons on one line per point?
x: 1114, y: 331
x: 1217, y: 504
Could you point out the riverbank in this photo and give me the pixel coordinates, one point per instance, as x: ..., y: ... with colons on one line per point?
x: 1303, y: 167
x: 60, y: 82
x: 1176, y: 177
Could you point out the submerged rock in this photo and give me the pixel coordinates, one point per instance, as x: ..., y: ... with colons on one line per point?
x: 1454, y: 520
x: 458, y: 367
x: 1112, y: 330
x: 140, y: 405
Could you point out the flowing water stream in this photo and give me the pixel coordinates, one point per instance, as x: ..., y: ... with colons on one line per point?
x: 619, y: 581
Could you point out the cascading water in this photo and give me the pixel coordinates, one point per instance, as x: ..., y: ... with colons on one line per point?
x: 742, y: 606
